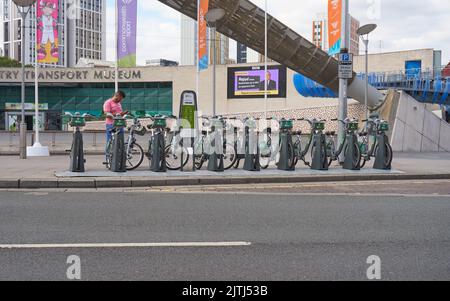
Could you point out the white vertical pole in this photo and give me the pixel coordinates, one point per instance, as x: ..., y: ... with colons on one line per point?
x: 265, y: 61
x: 116, y: 26
x: 366, y: 90
x: 197, y: 39
x: 36, y: 82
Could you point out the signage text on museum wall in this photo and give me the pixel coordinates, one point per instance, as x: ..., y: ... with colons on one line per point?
x: 71, y: 74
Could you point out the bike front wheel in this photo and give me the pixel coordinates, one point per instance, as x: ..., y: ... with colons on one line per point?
x: 230, y: 156
x: 135, y: 156
x: 173, y: 157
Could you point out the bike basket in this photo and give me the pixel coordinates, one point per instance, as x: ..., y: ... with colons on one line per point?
x: 160, y: 123
x: 251, y: 124
x: 217, y: 123
x: 319, y: 126
x: 120, y: 122
x: 353, y: 126
x: 384, y: 126
x: 140, y: 131
x: 78, y: 121
x: 286, y: 124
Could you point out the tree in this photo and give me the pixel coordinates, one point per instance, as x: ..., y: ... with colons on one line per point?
x: 6, y: 62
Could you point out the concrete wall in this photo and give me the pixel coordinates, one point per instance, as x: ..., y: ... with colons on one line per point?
x: 394, y: 61
x: 417, y: 129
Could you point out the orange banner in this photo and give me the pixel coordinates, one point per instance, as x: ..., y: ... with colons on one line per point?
x: 334, y: 25
x: 203, y: 7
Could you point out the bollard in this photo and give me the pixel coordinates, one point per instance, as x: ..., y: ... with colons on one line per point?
x: 251, y: 147
x: 286, y: 146
x: 119, y: 159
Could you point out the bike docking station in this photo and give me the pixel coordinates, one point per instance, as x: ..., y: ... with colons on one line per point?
x: 350, y: 145
x: 382, y: 148
x: 319, y: 149
x: 352, y: 152
x: 77, y: 160
x: 286, y: 145
x: 251, y: 162
x: 215, y: 160
x: 118, y: 156
x: 157, y: 145
x: 188, y: 129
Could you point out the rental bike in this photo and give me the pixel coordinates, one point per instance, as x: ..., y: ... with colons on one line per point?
x: 134, y: 152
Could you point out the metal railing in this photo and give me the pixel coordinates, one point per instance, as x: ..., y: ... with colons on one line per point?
x: 426, y: 85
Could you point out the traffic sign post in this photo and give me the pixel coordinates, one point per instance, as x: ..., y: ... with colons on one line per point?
x: 345, y: 65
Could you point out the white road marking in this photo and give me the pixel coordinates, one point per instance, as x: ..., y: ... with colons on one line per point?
x: 126, y: 245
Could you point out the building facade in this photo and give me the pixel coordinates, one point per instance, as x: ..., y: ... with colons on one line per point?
x: 320, y: 34
x: 188, y: 55
x: 354, y: 37
x: 81, y: 31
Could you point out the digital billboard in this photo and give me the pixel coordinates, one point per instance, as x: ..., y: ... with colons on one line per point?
x: 249, y: 82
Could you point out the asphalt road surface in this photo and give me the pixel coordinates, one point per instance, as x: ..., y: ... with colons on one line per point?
x: 230, y: 237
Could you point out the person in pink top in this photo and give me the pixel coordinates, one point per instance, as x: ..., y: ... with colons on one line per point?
x: 114, y: 107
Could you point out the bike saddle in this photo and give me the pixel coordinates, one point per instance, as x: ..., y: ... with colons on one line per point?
x: 204, y: 133
x: 363, y: 134
x: 297, y: 133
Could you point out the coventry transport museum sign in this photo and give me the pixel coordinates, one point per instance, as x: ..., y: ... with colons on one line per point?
x: 71, y: 75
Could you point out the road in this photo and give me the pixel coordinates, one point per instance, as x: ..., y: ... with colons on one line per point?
x: 261, y: 235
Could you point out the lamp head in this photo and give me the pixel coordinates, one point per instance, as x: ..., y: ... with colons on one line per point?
x: 366, y: 29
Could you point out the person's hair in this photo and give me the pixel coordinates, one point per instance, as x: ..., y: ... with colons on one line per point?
x: 120, y: 93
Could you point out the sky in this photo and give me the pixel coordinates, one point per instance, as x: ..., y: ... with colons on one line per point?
x: 402, y: 25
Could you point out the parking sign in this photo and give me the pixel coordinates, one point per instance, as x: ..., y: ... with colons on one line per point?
x: 346, y: 65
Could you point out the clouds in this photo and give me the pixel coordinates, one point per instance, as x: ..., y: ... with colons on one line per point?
x: 403, y: 25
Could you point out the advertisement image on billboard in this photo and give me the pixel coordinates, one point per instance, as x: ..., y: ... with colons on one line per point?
x: 250, y: 82
x: 334, y: 26
x: 126, y: 37
x: 47, y: 31
x: 203, y: 9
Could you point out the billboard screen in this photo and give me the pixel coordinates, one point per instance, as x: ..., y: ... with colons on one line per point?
x: 249, y: 82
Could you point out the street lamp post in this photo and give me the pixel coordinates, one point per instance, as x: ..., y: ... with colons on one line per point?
x: 212, y: 17
x: 24, y: 7
x: 365, y: 31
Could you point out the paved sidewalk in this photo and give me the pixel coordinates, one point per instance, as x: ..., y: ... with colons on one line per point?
x: 52, y: 173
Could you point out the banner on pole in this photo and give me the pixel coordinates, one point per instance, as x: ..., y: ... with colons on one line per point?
x: 47, y: 31
x: 334, y: 26
x: 202, y: 31
x: 126, y: 33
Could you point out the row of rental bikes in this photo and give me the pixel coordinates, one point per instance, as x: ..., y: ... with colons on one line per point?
x: 226, y: 143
